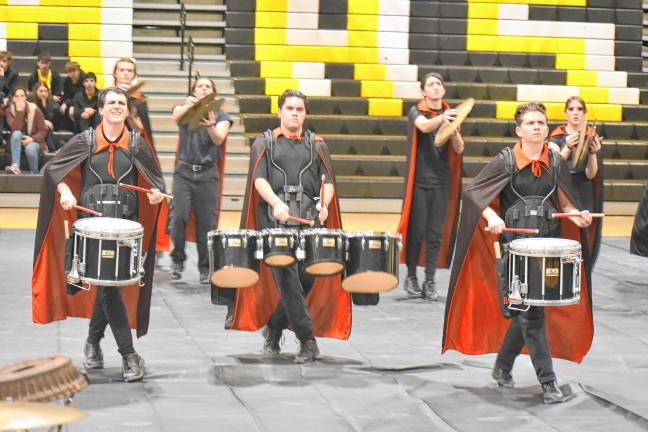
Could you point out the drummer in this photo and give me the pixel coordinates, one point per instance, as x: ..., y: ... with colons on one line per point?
x: 90, y: 177
x: 432, y: 187
x: 197, y: 180
x: 284, y: 179
x: 520, y: 188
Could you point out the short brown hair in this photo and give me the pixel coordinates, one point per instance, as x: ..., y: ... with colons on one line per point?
x: 72, y: 66
x: 429, y: 75
x: 576, y: 98
x: 193, y: 87
x: 292, y: 93
x: 7, y: 55
x: 125, y: 60
x: 527, y: 108
x: 101, y: 100
x: 45, y: 57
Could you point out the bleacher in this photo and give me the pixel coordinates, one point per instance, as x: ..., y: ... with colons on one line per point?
x: 360, y: 62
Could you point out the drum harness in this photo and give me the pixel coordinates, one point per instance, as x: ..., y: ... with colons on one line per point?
x: 297, y: 200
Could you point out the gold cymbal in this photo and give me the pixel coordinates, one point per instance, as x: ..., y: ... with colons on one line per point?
x: 198, y: 111
x: 30, y: 415
x: 446, y: 130
x: 132, y: 89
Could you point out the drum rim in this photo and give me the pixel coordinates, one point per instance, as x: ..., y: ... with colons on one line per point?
x: 321, y: 231
x: 565, y: 302
x: 107, y: 232
x: 247, y: 232
x: 383, y: 234
x: 570, y: 247
x: 108, y: 282
x: 279, y: 231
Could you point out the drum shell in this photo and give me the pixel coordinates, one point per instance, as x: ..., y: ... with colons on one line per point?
x: 279, y: 247
x: 373, y: 252
x: 235, y: 249
x: 109, y: 262
x: 322, y: 247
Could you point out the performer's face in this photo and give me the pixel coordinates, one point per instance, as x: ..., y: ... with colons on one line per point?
x: 575, y: 113
x: 292, y: 113
x: 124, y: 73
x: 203, y: 88
x: 115, y: 109
x: 533, y: 128
x: 433, y: 89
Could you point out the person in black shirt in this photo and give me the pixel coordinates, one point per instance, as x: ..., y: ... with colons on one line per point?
x: 85, y: 103
x: 196, y: 179
x: 8, y: 77
x: 72, y: 84
x: 43, y: 72
x: 429, y: 208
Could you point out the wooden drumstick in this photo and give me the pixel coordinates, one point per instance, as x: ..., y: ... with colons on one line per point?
x: 519, y: 230
x: 141, y: 189
x: 66, y: 226
x: 566, y: 215
x: 87, y: 210
x: 322, y: 201
x: 498, y: 250
x: 301, y: 221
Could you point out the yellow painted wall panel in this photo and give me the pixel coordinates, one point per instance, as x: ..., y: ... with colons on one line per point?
x: 316, y: 54
x: 385, y: 107
x: 594, y: 94
x: 84, y: 3
x: 17, y: 30
x: 570, y: 61
x: 272, y: 5
x: 84, y: 48
x: 274, y: 104
x: 483, y: 10
x: 582, y: 78
x: 607, y: 112
x: 84, y: 32
x: 90, y: 64
x: 276, y: 86
x: 369, y: 7
x: 555, y: 111
x: 482, y: 27
x: 50, y: 14
x: 376, y: 72
x: 362, y: 22
x: 276, y: 70
x: 377, y: 89
x: 270, y: 20
x: 536, y: 2
x: 268, y: 36
x: 363, y: 38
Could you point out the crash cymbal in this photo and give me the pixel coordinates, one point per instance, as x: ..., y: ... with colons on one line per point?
x: 135, y: 87
x: 446, y: 130
x: 199, y: 111
x: 29, y: 415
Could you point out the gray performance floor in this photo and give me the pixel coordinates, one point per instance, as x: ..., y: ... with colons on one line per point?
x: 389, y: 376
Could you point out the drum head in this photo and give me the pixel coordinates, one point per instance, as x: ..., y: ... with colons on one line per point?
x: 108, y: 227
x: 545, y: 246
x: 370, y: 282
x: 234, y: 277
x: 279, y: 260
x: 328, y: 268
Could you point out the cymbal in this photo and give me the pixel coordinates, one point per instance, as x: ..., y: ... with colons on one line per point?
x: 198, y: 111
x: 135, y: 87
x: 580, y: 152
x: 446, y: 130
x: 30, y: 415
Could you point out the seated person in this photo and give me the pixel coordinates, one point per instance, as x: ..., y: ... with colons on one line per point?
x: 8, y: 77
x: 43, y: 72
x: 72, y: 85
x: 85, y: 104
x: 43, y: 100
x: 28, y: 130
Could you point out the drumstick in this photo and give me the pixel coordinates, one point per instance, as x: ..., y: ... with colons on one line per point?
x: 566, y: 215
x: 519, y: 230
x: 87, y: 210
x: 66, y: 226
x: 322, y: 193
x: 141, y: 189
x: 302, y: 221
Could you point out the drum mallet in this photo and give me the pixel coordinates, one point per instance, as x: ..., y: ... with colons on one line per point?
x: 141, y: 189
x: 301, y: 221
x: 87, y: 210
x: 566, y: 215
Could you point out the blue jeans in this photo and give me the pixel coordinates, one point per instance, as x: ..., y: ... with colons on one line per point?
x: 32, y: 150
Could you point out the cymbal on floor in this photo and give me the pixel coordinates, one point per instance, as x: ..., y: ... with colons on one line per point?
x: 30, y: 415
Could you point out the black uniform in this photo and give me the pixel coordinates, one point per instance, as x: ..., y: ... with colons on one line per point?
x: 80, y: 102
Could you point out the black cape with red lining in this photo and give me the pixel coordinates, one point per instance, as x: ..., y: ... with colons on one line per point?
x: 595, y: 229
x: 328, y: 305
x: 50, y: 301
x: 473, y: 321
x: 639, y: 236
x: 450, y: 225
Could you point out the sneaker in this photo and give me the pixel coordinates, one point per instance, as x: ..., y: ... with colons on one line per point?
x: 12, y: 169
x: 271, y: 346
x: 308, y: 351
x: 93, y: 356
x: 429, y: 291
x: 412, y: 287
x: 204, y: 278
x: 132, y: 367
x: 176, y: 270
x: 503, y: 378
x: 551, y: 393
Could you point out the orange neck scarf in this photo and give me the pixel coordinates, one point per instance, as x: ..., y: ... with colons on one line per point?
x: 103, y: 144
x: 522, y: 160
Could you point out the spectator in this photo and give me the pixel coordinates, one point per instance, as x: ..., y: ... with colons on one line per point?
x: 85, y: 104
x: 8, y: 78
x: 49, y: 108
x: 28, y: 130
x: 44, y: 73
x: 72, y: 85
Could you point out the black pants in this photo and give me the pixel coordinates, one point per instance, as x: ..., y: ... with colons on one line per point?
x: 428, y: 213
x: 293, y: 283
x: 109, y: 309
x: 527, y: 328
x: 200, y: 190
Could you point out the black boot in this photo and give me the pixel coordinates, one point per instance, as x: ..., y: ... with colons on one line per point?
x: 412, y: 287
x: 551, y: 393
x: 132, y: 367
x: 308, y: 351
x: 93, y: 355
x: 176, y: 270
x: 271, y: 346
x: 503, y: 378
x: 429, y: 291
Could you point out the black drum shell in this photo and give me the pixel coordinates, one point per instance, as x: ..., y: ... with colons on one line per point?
x: 371, y: 254
x: 280, y: 243
x: 552, y: 295
x: 323, y: 247
x: 234, y: 250
x: 88, y: 250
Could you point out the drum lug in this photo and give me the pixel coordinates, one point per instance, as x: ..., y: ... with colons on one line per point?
x: 259, y: 252
x: 338, y: 242
x: 517, y: 294
x: 244, y: 241
x: 299, y: 254
x: 210, y: 249
x: 141, y: 272
x: 73, y: 276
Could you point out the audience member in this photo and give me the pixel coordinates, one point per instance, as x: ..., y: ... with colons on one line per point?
x: 72, y: 85
x: 8, y: 78
x: 28, y: 130
x: 44, y: 73
x: 44, y: 101
x: 85, y: 104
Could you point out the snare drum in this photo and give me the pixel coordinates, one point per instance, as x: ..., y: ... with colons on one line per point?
x: 371, y: 262
x: 233, y: 257
x: 323, y: 251
x: 544, y: 272
x: 107, y: 251
x: 279, y: 246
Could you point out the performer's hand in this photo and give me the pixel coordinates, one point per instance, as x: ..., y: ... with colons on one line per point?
x: 323, y: 212
x: 124, y: 86
x: 449, y: 115
x: 572, y: 140
x: 495, y: 224
x: 280, y: 211
x: 595, y: 145
x: 190, y: 101
x: 67, y: 200
x: 209, y: 121
x: 155, y: 197
x: 583, y: 219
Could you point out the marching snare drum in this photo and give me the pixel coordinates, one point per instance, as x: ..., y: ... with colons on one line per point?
x: 279, y: 246
x: 107, y: 251
x: 233, y: 257
x: 323, y: 251
x: 544, y: 272
x: 371, y: 262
